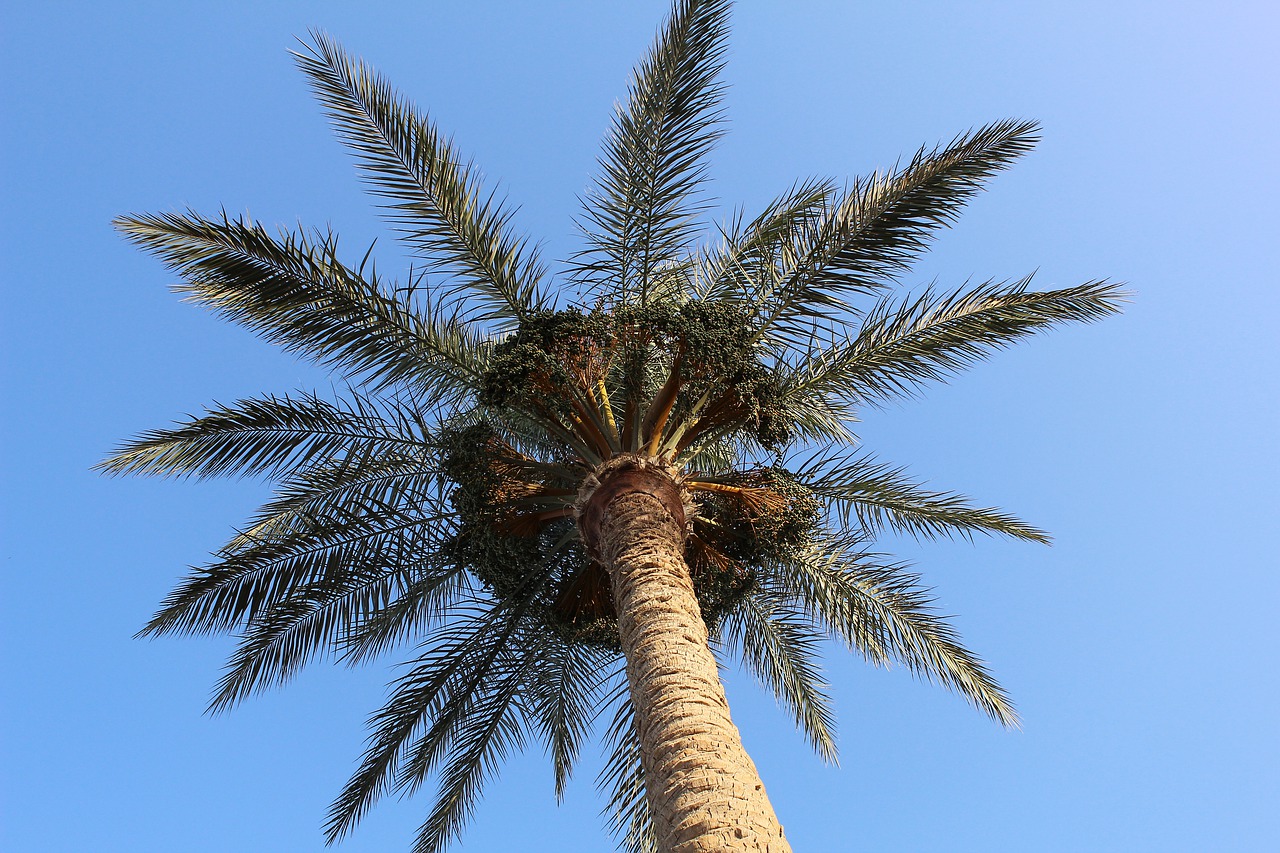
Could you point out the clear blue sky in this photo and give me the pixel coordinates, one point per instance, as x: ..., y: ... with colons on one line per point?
x: 1140, y: 648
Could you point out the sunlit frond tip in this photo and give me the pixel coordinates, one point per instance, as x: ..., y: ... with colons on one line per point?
x: 641, y: 216
x: 433, y: 196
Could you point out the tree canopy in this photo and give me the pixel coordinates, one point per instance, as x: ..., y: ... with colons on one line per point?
x: 436, y: 505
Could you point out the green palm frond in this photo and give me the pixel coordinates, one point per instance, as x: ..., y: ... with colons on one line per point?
x: 880, y: 226
x: 708, y: 458
x: 420, y: 719
x: 903, y: 345
x: 875, y: 496
x: 483, y: 737
x: 310, y: 621
x: 433, y: 197
x: 317, y: 572
x: 639, y: 219
x: 882, y: 612
x: 622, y: 780
x: 820, y: 420
x: 336, y: 488
x: 246, y: 583
x: 563, y: 691
x: 296, y: 293
x: 781, y: 646
x: 751, y: 260
x: 267, y: 436
x: 423, y: 604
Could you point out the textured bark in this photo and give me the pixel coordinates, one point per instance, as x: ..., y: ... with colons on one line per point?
x: 703, y: 788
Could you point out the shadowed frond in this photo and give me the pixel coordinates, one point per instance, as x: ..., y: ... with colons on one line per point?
x: 622, y: 779
x: 882, y: 612
x: 433, y: 197
x: 880, y: 226
x: 781, y: 646
x: 482, y: 737
x: 297, y: 294
x: 247, y: 582
x: 562, y: 692
x: 639, y: 219
x: 318, y: 570
x: 875, y: 496
x: 812, y: 418
x: 334, y: 489
x: 903, y: 345
x: 422, y: 604
x: 456, y: 659
x: 309, y: 621
x: 753, y: 259
x: 267, y: 436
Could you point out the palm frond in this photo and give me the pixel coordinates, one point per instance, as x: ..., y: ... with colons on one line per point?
x: 903, y: 345
x: 639, y: 219
x: 455, y: 662
x: 483, y: 737
x: 231, y: 592
x: 706, y: 458
x: 881, y: 611
x: 434, y: 197
x: 780, y: 645
x: 622, y: 778
x: 308, y: 622
x: 880, y: 226
x: 367, y: 553
x: 874, y: 495
x: 422, y: 604
x: 296, y: 293
x: 268, y: 436
x: 331, y: 490
x: 751, y: 260
x: 812, y: 417
x: 562, y: 692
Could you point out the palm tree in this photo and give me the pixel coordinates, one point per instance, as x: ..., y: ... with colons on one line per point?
x: 568, y: 501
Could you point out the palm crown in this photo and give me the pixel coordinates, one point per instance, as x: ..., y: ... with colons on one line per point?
x: 446, y: 503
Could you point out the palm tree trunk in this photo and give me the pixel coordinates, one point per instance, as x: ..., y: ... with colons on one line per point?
x: 703, y: 788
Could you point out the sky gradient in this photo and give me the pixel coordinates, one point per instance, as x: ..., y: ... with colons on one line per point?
x: 1139, y: 648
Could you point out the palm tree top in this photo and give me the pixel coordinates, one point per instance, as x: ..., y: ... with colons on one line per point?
x: 444, y: 503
